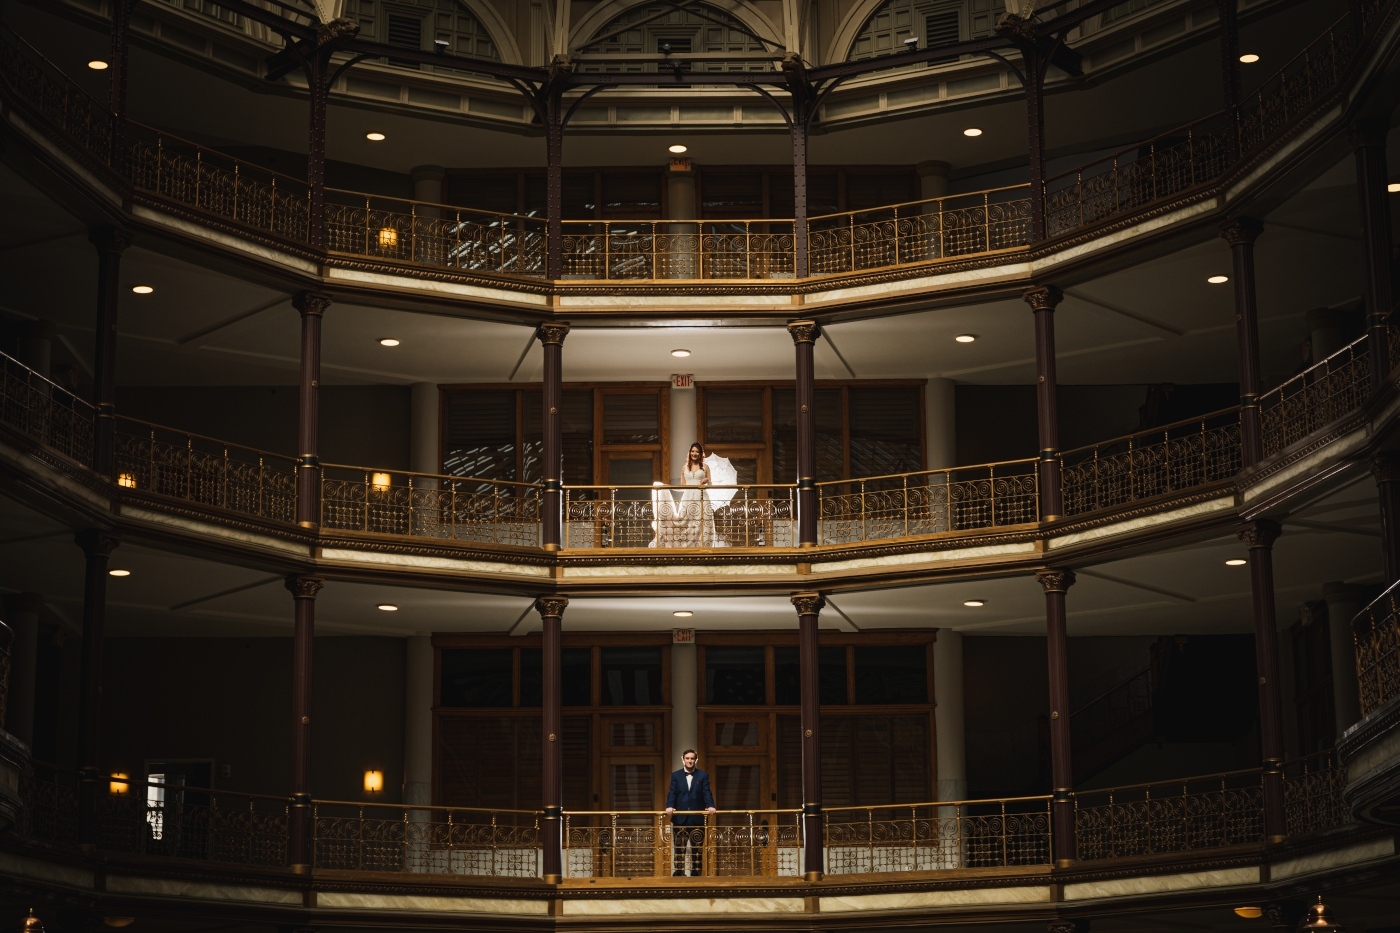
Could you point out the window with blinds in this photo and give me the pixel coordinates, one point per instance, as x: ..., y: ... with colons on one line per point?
x: 942, y: 27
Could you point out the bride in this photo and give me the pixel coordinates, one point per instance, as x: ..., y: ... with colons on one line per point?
x: 691, y: 522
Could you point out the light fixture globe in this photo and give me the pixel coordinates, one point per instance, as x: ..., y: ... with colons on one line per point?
x: 677, y: 149
x: 973, y: 131
x: 1218, y: 279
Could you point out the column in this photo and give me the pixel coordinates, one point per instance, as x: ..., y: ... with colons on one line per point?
x: 22, y: 614
x: 797, y: 128
x: 1021, y: 30
x: 36, y: 347
x: 685, y: 429
x: 809, y: 606
x: 551, y: 610
x: 685, y: 234
x: 551, y: 336
x: 303, y: 590
x: 804, y: 338
x: 1368, y: 137
x: 116, y: 78
x: 1055, y: 584
x: 312, y: 307
x: 418, y: 721
x: 933, y: 178
x: 110, y: 243
x: 1343, y: 603
x: 685, y: 699
x: 1385, y: 467
x: 554, y: 184
x: 425, y: 452
x: 97, y: 546
x: 1230, y: 73
x: 427, y: 183
x: 1260, y: 536
x: 1043, y: 301
x: 1241, y: 234
x: 948, y: 715
x: 940, y: 424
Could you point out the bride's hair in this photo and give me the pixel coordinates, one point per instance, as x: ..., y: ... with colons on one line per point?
x: 692, y: 447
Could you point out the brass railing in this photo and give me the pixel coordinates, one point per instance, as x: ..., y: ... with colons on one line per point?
x: 974, y: 223
x: 1135, y: 177
x: 426, y: 840
x: 938, y: 836
x: 904, y: 505
x: 1157, y: 462
x: 678, y: 249
x: 680, y: 516
x: 645, y: 844
x: 50, y: 814
x: 44, y: 411
x: 920, y: 231
x: 1170, y: 816
x: 175, y: 821
x: 1376, y: 634
x: 1299, y: 85
x: 394, y: 502
x: 204, y: 471
x: 434, y: 234
x: 1315, y: 397
x: 218, y: 185
x: 1312, y: 788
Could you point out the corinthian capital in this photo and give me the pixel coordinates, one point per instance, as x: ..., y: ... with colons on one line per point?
x: 551, y: 606
x: 304, y: 587
x: 808, y: 604
x: 1242, y: 231
x: 1055, y: 581
x: 1042, y: 297
x: 804, y: 331
x: 553, y: 333
x: 1260, y: 534
x: 311, y: 302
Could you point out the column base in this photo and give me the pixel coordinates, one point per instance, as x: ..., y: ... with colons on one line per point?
x: 553, y: 879
x: 310, y: 526
x: 1275, y: 840
x: 301, y: 869
x: 1065, y: 862
x: 812, y: 876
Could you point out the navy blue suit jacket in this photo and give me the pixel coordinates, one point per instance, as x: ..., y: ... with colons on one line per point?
x: 695, y: 797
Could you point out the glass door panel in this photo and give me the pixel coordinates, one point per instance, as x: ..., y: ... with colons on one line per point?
x: 628, y: 848
x: 631, y: 515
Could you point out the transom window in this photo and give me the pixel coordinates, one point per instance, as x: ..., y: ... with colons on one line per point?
x: 932, y: 22
x: 661, y: 27
x: 419, y: 24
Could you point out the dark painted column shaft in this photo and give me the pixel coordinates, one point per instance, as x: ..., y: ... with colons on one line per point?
x: 303, y: 590
x: 1230, y: 73
x: 551, y: 337
x: 97, y: 547
x: 117, y: 70
x: 551, y: 610
x: 1043, y: 301
x: 110, y: 243
x: 809, y: 606
x: 312, y: 307
x: 1241, y: 234
x: 804, y: 337
x: 1260, y: 537
x: 1055, y: 584
x: 1386, y: 469
x: 1371, y: 178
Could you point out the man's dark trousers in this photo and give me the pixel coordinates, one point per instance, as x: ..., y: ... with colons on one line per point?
x: 688, y: 827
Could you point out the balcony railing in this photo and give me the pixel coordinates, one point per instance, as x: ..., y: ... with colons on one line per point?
x: 174, y: 821
x: 426, y: 840
x: 441, y: 237
x: 938, y: 836
x: 1313, y: 801
x: 632, y: 250
x: 1376, y: 634
x: 903, y: 505
x: 44, y: 411
x: 662, y: 516
x: 645, y: 844
x: 392, y: 502
x: 204, y: 471
x: 1158, y: 462
x: 1170, y: 816
x: 1315, y: 397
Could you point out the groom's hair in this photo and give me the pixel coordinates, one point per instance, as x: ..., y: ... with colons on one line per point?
x: 690, y: 751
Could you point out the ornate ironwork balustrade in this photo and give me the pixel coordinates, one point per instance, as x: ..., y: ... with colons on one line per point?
x: 1313, y: 801
x: 59, y: 100
x: 644, y: 844
x: 1286, y: 96
x: 174, y: 821
x: 204, y: 471
x: 920, y: 231
x: 1316, y: 397
x: 392, y: 502
x: 426, y: 840
x: 44, y: 411
x: 938, y: 836
x: 662, y: 516
x: 50, y: 814
x: 434, y: 234
x: 1170, y: 816
x: 930, y: 502
x: 1162, y: 461
x: 630, y: 250
x: 1376, y: 635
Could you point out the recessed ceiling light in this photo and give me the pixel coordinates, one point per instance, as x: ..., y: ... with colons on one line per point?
x: 682, y: 613
x: 119, y: 573
x: 680, y: 353
x: 388, y: 607
x: 1249, y: 58
x: 1393, y: 187
x: 1249, y: 913
x: 965, y: 338
x: 1218, y: 279
x: 972, y: 131
x: 677, y: 148
x: 974, y: 603
x: 375, y: 137
x: 388, y: 341
x: 98, y: 64
x: 1236, y: 562
x: 142, y: 289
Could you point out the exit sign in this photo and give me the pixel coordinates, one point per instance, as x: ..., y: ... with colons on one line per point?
x: 682, y: 636
x: 682, y: 381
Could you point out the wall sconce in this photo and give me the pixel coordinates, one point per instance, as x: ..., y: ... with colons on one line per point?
x: 1249, y: 913
x: 118, y: 923
x: 374, y: 782
x: 126, y: 480
x: 381, y: 480
x: 388, y: 238
x: 119, y: 785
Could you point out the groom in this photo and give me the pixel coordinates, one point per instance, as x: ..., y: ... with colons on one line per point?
x: 690, y: 790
